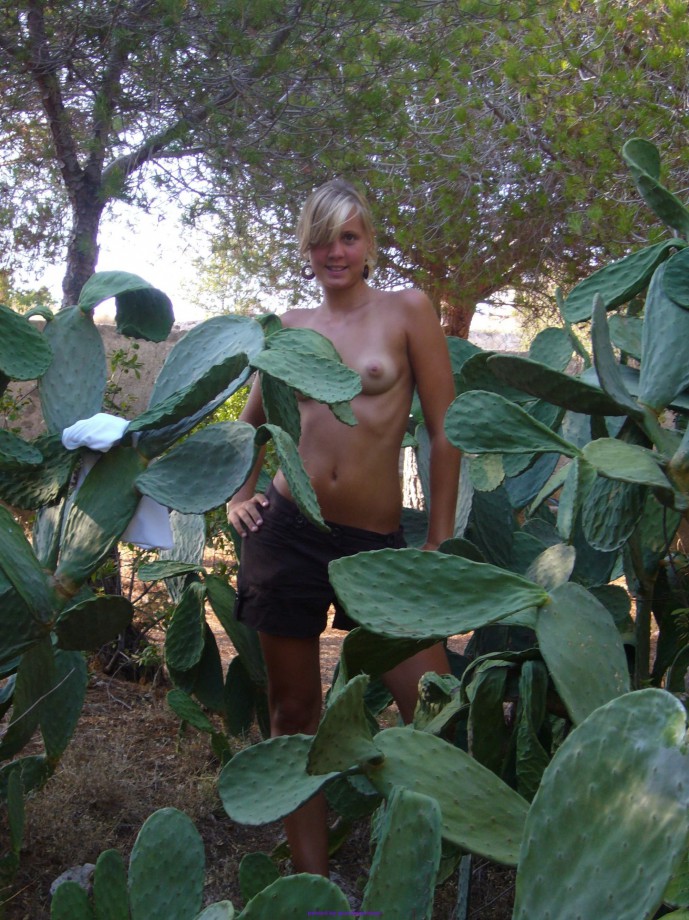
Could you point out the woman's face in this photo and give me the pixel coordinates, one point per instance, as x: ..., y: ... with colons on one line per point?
x: 341, y: 263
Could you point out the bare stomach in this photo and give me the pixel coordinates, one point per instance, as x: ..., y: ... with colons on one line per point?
x: 354, y: 494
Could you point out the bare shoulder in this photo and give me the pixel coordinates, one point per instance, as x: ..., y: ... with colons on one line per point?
x: 297, y: 319
x: 414, y: 304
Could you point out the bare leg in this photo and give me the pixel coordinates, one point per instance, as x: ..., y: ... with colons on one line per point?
x: 403, y: 680
x: 295, y: 700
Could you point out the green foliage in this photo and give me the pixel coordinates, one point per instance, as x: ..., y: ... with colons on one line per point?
x: 50, y: 612
x: 600, y: 756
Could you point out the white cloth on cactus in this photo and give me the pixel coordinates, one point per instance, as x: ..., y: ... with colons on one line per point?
x: 99, y: 432
x: 149, y: 527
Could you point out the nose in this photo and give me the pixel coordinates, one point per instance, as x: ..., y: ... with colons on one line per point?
x: 336, y: 247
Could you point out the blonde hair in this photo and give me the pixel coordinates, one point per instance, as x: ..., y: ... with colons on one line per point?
x: 324, y: 212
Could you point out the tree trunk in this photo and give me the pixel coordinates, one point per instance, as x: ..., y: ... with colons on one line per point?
x: 456, y: 319
x: 82, y: 249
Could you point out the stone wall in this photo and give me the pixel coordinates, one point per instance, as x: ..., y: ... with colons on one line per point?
x: 135, y: 391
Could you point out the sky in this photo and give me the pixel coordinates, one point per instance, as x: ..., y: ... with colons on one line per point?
x: 162, y: 252
x: 159, y: 251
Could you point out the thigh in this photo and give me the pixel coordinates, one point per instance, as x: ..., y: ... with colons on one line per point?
x: 403, y: 680
x: 294, y: 681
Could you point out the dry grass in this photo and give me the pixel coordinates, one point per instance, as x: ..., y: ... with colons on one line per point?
x: 127, y: 759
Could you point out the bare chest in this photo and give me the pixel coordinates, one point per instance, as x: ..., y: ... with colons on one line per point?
x: 378, y: 355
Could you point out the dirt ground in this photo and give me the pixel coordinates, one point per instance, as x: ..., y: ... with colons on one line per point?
x: 128, y: 759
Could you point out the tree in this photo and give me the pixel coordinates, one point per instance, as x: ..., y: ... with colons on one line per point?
x: 488, y: 135
x: 105, y: 94
x: 502, y: 168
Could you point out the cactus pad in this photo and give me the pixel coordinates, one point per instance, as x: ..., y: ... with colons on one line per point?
x: 144, y: 314
x: 479, y: 812
x: 609, y: 819
x: 16, y: 454
x: 62, y: 706
x: 554, y: 387
x: 256, y: 872
x: 629, y: 462
x: 412, y: 594
x: 644, y: 165
x: 166, y: 568
x: 481, y: 422
x: 281, y: 406
x: 22, y: 569
x: 203, y: 471
x: 625, y: 334
x: 552, y: 347
x: 611, y: 512
x: 93, y: 622
x: 344, y: 737
x: 605, y: 362
x: 24, y: 352
x: 74, y: 385
x: 141, y: 311
x: 316, y: 376
x: 166, y: 868
x: 675, y: 278
x: 102, y: 508
x: 267, y: 781
x: 205, y: 345
x: 296, y: 897
x: 405, y: 865
x: 192, y: 398
x: 222, y: 596
x: 70, y: 902
x: 40, y: 485
x: 553, y: 566
x: 184, y: 639
x: 294, y: 472
x: 365, y: 652
x: 618, y: 282
x: 583, y: 650
x: 110, y: 895
x: 664, y: 346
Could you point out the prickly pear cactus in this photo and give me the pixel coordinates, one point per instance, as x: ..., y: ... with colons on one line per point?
x: 294, y: 897
x: 166, y: 868
x: 406, y: 860
x: 41, y: 618
x: 609, y: 819
x: 279, y: 765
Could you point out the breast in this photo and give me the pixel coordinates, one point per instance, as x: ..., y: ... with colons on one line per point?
x: 378, y: 373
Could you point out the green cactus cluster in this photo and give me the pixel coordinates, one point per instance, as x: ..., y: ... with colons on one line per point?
x: 49, y: 615
x: 165, y: 879
x: 569, y: 484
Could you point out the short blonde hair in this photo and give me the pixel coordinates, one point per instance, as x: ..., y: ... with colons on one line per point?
x: 324, y: 212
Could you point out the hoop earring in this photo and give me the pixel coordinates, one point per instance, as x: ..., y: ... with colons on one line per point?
x: 366, y: 272
x: 307, y: 273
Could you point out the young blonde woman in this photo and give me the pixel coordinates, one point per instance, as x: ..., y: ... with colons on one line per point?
x: 394, y: 341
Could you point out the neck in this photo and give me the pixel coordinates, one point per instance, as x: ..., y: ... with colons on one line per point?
x: 347, y: 300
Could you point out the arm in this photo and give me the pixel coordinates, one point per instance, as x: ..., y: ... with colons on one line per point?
x: 244, y: 508
x: 430, y: 362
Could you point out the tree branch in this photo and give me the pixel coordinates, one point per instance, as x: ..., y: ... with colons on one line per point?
x: 154, y: 145
x: 44, y: 71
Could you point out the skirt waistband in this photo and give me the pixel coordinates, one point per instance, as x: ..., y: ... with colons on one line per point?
x: 286, y: 506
